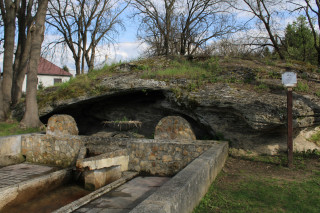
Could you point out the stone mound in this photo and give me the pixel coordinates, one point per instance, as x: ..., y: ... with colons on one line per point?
x: 62, y: 125
x: 174, y: 128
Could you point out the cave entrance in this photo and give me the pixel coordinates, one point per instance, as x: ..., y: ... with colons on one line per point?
x: 145, y: 106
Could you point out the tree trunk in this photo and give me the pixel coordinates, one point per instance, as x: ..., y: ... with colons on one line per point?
x: 31, y: 115
x: 167, y: 31
x: 91, y: 61
x: 183, y: 44
x: 77, y: 63
x: 273, y: 40
x: 22, y: 52
x: 84, y: 45
x: 2, y: 114
x: 9, y: 36
x: 318, y: 51
x: 19, y: 73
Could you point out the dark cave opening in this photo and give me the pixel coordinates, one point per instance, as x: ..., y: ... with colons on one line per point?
x: 146, y: 106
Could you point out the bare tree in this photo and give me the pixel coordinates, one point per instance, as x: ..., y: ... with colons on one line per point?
x: 265, y: 11
x: 24, y: 16
x: 182, y: 26
x: 63, y: 16
x: 102, y: 28
x: 31, y: 18
x: 8, y: 13
x: 156, y: 26
x: 14, y: 72
x: 31, y: 115
x: 202, y: 20
x: 83, y: 24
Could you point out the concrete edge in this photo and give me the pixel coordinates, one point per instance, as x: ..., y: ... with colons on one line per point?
x: 86, y: 199
x: 13, y: 192
x: 185, y: 190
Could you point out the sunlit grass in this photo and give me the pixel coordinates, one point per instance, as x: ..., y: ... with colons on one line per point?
x: 13, y: 128
x: 257, y: 192
x: 182, y: 68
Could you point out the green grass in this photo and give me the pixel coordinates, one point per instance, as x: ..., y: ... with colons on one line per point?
x: 315, y: 138
x: 263, y: 195
x: 249, y: 192
x: 186, y: 69
x: 302, y: 87
x: 14, y: 129
x: 261, y: 87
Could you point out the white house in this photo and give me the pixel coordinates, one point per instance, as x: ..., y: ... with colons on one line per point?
x: 49, y: 74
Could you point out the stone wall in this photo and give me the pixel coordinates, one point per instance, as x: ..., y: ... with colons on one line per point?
x: 156, y: 157
x: 53, y: 150
x: 162, y: 158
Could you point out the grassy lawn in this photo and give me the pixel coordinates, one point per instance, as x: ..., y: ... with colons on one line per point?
x: 13, y: 128
x: 265, y: 185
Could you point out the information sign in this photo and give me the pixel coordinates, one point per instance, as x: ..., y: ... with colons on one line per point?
x: 289, y: 79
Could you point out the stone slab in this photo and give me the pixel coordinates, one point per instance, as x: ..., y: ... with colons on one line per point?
x: 95, y: 179
x: 104, y: 162
x: 125, y: 197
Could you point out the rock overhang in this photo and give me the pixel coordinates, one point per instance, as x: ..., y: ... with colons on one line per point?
x: 220, y: 110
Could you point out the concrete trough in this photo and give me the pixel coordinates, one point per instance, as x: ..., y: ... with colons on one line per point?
x: 184, y: 191
x: 29, y: 189
x: 181, y: 194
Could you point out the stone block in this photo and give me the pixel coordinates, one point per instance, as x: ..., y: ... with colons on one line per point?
x: 174, y: 128
x: 100, y: 162
x: 98, y: 178
x: 62, y: 125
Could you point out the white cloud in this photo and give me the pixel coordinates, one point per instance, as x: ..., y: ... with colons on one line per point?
x: 105, y: 54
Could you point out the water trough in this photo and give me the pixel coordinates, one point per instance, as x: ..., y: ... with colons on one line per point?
x: 103, y: 163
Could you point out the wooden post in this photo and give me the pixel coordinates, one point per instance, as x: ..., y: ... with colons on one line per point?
x: 290, y: 128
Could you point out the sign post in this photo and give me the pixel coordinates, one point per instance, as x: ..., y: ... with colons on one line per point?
x: 289, y: 79
x: 290, y: 128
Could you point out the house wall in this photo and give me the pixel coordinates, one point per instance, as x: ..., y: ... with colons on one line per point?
x: 47, y: 80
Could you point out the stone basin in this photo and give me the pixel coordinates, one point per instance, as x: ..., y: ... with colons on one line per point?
x: 102, y: 169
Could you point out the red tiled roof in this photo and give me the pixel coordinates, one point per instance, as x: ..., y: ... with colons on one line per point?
x: 45, y: 67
